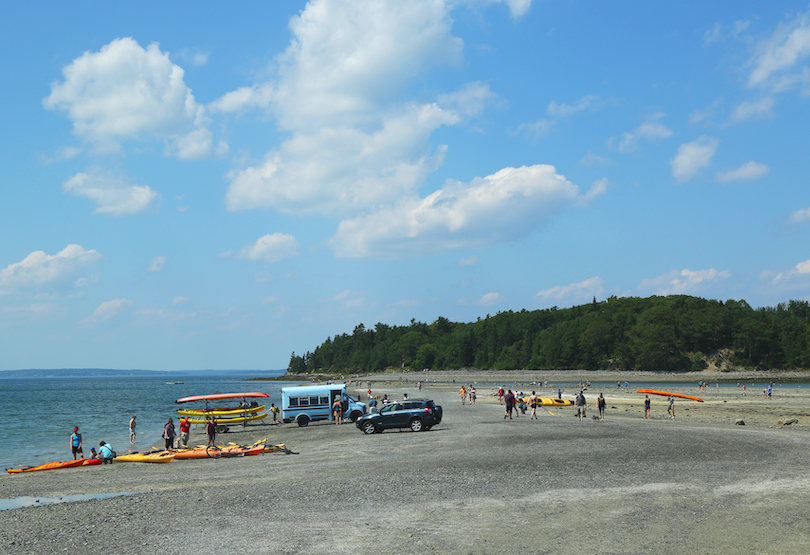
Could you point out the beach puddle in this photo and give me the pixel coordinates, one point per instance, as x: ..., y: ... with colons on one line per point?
x: 17, y: 502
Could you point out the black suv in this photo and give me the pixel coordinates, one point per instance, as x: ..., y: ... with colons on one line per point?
x: 416, y: 414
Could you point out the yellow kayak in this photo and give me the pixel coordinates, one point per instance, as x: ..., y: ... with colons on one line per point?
x: 159, y: 457
x: 228, y: 420
x: 221, y: 411
x: 550, y: 402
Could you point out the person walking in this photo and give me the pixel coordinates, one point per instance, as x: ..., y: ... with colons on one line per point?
x: 337, y: 410
x: 169, y: 433
x: 185, y: 430
x: 671, y: 408
x: 132, y: 428
x: 76, y: 443
x: 473, y: 395
x: 600, y: 404
x: 274, y: 410
x: 463, y: 393
x: 509, y: 399
x: 582, y: 404
x: 646, y: 406
x: 500, y: 395
x: 533, y: 405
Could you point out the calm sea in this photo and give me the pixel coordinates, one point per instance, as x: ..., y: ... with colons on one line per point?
x: 39, y: 413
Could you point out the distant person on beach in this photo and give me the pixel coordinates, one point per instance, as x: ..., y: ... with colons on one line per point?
x: 559, y: 394
x: 105, y: 452
x: 274, y: 410
x: 671, y: 408
x: 743, y: 390
x: 463, y: 393
x: 533, y: 405
x: 132, y: 428
x: 646, y: 406
x: 582, y: 404
x: 169, y: 433
x: 185, y: 429
x: 76, y: 444
x: 770, y: 386
x: 600, y: 404
x: 509, y: 399
x: 473, y: 395
x: 372, y: 405
x: 337, y: 410
x: 500, y: 395
x: 211, y: 431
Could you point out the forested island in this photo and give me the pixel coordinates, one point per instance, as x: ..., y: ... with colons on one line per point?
x: 676, y: 333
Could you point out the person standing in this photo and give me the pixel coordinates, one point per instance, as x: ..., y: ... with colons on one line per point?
x: 671, y: 408
x: 500, y: 395
x: 473, y: 395
x: 337, y: 410
x: 76, y: 443
x: 582, y: 404
x: 463, y: 393
x: 132, y: 429
x: 600, y: 404
x: 646, y: 406
x: 533, y: 405
x: 185, y: 429
x: 169, y: 433
x: 211, y: 431
x: 509, y: 399
x: 274, y: 410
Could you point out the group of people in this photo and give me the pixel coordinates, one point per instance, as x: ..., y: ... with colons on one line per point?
x: 464, y: 392
x: 105, y: 451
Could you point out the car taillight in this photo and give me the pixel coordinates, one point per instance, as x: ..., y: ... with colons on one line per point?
x: 428, y: 409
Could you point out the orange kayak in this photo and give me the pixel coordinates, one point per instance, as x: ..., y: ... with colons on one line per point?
x: 202, y: 453
x: 55, y: 465
x: 667, y: 394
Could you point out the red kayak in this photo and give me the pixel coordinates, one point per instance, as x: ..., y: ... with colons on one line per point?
x: 667, y: 394
x: 55, y: 465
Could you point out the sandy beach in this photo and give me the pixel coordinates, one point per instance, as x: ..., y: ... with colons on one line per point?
x: 476, y: 483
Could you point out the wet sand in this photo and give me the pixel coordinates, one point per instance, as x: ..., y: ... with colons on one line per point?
x: 476, y: 483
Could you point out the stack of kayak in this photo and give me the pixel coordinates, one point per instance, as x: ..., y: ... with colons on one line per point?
x: 224, y: 416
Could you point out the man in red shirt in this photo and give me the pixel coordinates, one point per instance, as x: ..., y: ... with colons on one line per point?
x: 185, y: 426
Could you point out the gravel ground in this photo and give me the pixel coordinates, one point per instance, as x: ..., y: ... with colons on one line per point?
x: 476, y: 483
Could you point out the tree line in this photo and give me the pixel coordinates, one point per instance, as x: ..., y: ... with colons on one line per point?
x: 675, y: 333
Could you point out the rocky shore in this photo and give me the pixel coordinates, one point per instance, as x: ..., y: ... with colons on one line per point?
x: 474, y: 484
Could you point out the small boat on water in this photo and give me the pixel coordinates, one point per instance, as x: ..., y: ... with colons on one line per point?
x: 174, y: 383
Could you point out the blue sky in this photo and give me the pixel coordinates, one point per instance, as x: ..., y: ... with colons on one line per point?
x: 198, y: 186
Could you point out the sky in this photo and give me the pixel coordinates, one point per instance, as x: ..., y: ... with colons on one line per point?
x: 209, y: 186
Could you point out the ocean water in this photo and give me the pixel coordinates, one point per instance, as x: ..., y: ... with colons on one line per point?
x: 39, y: 414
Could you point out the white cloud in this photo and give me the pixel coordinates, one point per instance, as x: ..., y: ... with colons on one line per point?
x: 39, y: 268
x: 469, y: 261
x: 800, y: 216
x: 537, y: 128
x: 584, y: 290
x: 681, y: 282
x: 354, y: 144
x: 490, y: 299
x: 271, y: 248
x: 157, y: 264
x: 178, y: 300
x: 758, y: 109
x: 775, y: 58
x: 748, y: 171
x: 590, y: 102
x: 592, y: 159
x: 802, y: 269
x: 692, y: 157
x: 598, y: 188
x: 127, y: 92
x: 706, y: 114
x: 112, y: 193
x: 107, y: 310
x: 500, y: 207
x: 650, y: 130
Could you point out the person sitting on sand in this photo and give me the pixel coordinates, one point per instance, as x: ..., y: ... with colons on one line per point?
x: 105, y: 452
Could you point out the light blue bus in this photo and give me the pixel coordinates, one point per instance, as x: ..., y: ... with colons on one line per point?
x: 307, y: 403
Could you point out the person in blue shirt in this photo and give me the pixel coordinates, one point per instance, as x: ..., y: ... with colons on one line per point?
x: 76, y: 443
x: 105, y: 452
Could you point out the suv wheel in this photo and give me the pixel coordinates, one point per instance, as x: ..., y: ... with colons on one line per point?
x: 369, y: 427
x: 416, y: 425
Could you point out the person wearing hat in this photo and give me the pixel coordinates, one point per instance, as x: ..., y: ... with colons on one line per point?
x: 76, y: 443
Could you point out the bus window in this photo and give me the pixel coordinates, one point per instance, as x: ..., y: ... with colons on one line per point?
x: 293, y: 401
x: 313, y: 400
x: 303, y: 401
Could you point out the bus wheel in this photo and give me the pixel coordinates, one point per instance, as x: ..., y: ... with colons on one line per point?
x: 302, y: 420
x: 355, y: 415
